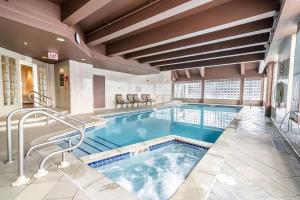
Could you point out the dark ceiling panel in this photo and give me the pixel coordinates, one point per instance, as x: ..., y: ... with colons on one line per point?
x: 227, y: 15
x: 110, y: 12
x: 221, y: 61
x: 231, y: 44
x: 59, y: 2
x: 226, y: 34
x: 229, y: 53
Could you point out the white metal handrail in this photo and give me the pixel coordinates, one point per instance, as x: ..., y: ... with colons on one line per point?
x: 40, y: 99
x: 9, y: 131
x: 21, y: 179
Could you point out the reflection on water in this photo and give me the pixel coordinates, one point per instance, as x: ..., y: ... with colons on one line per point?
x: 198, y: 122
x: 203, y: 118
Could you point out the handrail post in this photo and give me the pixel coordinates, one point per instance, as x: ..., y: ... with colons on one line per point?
x: 9, y: 140
x: 21, y: 179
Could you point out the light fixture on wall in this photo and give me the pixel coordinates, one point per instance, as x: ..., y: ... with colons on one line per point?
x: 44, y: 57
x: 77, y: 38
x: 25, y: 43
x: 61, y: 70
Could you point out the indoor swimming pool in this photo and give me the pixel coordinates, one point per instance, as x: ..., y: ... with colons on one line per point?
x: 195, y: 121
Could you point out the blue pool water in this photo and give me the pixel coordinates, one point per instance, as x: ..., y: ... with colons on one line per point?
x: 155, y: 174
x: 196, y: 121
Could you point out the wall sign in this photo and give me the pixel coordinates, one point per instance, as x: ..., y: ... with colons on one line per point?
x: 52, y: 55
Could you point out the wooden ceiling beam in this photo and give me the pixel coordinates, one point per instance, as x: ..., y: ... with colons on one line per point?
x: 216, y: 62
x: 244, y: 30
x: 202, y: 71
x: 175, y: 74
x: 153, y: 13
x: 187, y: 73
x: 243, y: 69
x: 227, y: 15
x: 73, y: 11
x: 212, y: 48
x: 222, y: 54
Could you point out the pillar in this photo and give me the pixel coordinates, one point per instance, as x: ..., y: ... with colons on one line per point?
x: 269, y: 91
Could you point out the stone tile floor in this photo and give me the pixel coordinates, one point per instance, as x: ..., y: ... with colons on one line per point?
x: 54, y: 186
x: 254, y: 169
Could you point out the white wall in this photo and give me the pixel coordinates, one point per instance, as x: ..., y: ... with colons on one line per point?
x: 158, y: 85
x: 62, y: 93
x: 81, y: 87
x: 20, y: 59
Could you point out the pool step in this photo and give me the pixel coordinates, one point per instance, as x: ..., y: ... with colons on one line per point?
x: 91, y: 145
x: 109, y: 142
x: 99, y: 145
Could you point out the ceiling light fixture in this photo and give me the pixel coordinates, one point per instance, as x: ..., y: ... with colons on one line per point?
x: 44, y: 57
x: 25, y: 43
x: 60, y: 39
x: 83, y: 59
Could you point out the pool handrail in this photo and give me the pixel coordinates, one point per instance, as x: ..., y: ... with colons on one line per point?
x: 21, y: 179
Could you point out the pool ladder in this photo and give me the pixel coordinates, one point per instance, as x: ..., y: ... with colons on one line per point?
x: 49, y: 113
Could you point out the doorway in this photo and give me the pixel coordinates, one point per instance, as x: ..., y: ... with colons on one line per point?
x: 99, y: 91
x: 27, y: 85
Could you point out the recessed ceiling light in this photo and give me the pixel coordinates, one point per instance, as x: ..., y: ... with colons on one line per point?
x: 44, y: 57
x: 60, y: 39
x: 25, y: 43
x: 83, y: 59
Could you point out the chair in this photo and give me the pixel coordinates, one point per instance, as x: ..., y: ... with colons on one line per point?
x: 149, y: 99
x: 120, y: 100
x: 136, y: 99
x: 144, y: 98
x: 130, y: 99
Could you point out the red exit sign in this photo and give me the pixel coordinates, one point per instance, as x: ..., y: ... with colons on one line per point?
x: 53, y: 55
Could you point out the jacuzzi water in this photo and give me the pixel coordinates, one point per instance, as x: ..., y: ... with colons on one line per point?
x: 195, y: 121
x: 155, y: 175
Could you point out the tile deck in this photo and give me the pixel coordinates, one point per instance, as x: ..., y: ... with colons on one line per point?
x: 252, y: 169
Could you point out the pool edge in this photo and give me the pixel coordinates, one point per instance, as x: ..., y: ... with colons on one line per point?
x: 201, y: 179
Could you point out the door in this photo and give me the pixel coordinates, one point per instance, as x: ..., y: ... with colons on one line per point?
x: 99, y: 91
x: 27, y: 85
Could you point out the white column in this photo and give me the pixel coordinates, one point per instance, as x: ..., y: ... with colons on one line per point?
x: 291, y: 72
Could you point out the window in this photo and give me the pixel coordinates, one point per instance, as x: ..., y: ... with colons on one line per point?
x: 222, y: 89
x: 9, y: 80
x: 252, y: 88
x: 187, y: 89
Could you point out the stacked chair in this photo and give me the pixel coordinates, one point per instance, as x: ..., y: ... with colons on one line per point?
x: 133, y: 99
